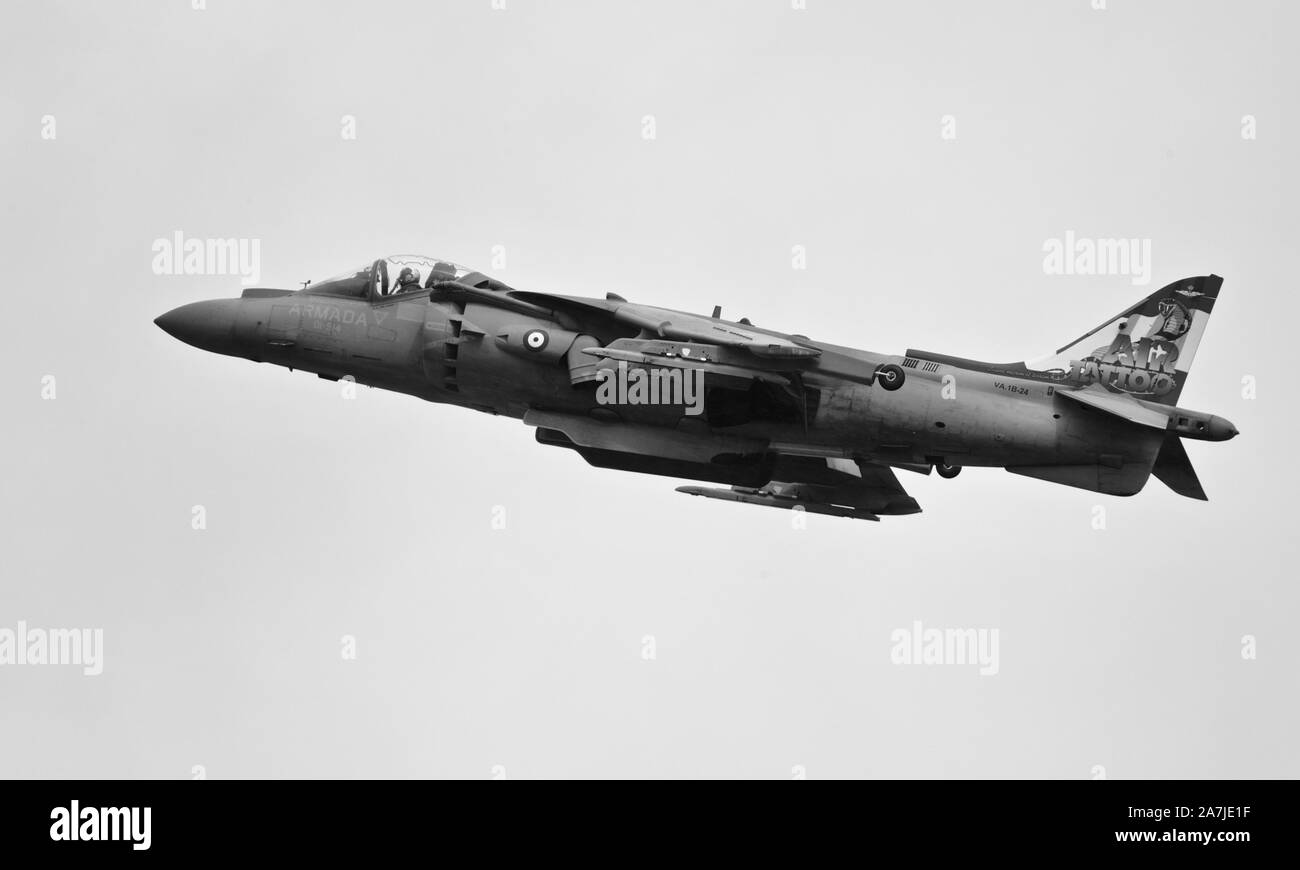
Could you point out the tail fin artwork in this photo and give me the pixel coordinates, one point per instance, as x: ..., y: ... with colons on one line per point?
x: 1145, y: 351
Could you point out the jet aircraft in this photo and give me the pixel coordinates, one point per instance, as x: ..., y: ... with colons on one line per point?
x: 766, y: 417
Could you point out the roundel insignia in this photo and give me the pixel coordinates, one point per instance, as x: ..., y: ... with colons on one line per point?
x: 536, y: 339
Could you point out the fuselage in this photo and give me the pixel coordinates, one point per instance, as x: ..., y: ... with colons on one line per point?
x: 446, y: 352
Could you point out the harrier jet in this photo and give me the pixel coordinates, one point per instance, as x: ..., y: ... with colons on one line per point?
x: 769, y: 418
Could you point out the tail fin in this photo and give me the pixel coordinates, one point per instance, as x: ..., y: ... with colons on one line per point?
x: 1146, y: 350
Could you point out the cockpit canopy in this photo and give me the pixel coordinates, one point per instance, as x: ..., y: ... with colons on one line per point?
x: 391, y: 276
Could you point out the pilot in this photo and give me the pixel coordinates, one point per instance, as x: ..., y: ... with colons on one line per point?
x: 409, y: 279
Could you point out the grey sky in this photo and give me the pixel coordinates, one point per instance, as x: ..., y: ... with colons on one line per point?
x: 522, y: 647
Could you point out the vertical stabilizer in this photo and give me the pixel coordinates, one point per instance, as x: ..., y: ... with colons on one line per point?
x: 1146, y: 350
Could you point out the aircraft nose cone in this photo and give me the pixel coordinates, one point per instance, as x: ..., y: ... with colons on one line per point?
x: 207, y: 325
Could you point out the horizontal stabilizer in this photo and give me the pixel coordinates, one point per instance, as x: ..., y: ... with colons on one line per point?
x: 1119, y: 404
x: 1174, y: 469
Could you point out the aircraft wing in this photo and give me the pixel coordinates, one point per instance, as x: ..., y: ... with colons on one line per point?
x: 678, y: 325
x: 720, y: 363
x: 692, y: 327
x: 735, y: 346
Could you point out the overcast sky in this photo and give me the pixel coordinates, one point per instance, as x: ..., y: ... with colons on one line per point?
x: 523, y: 132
